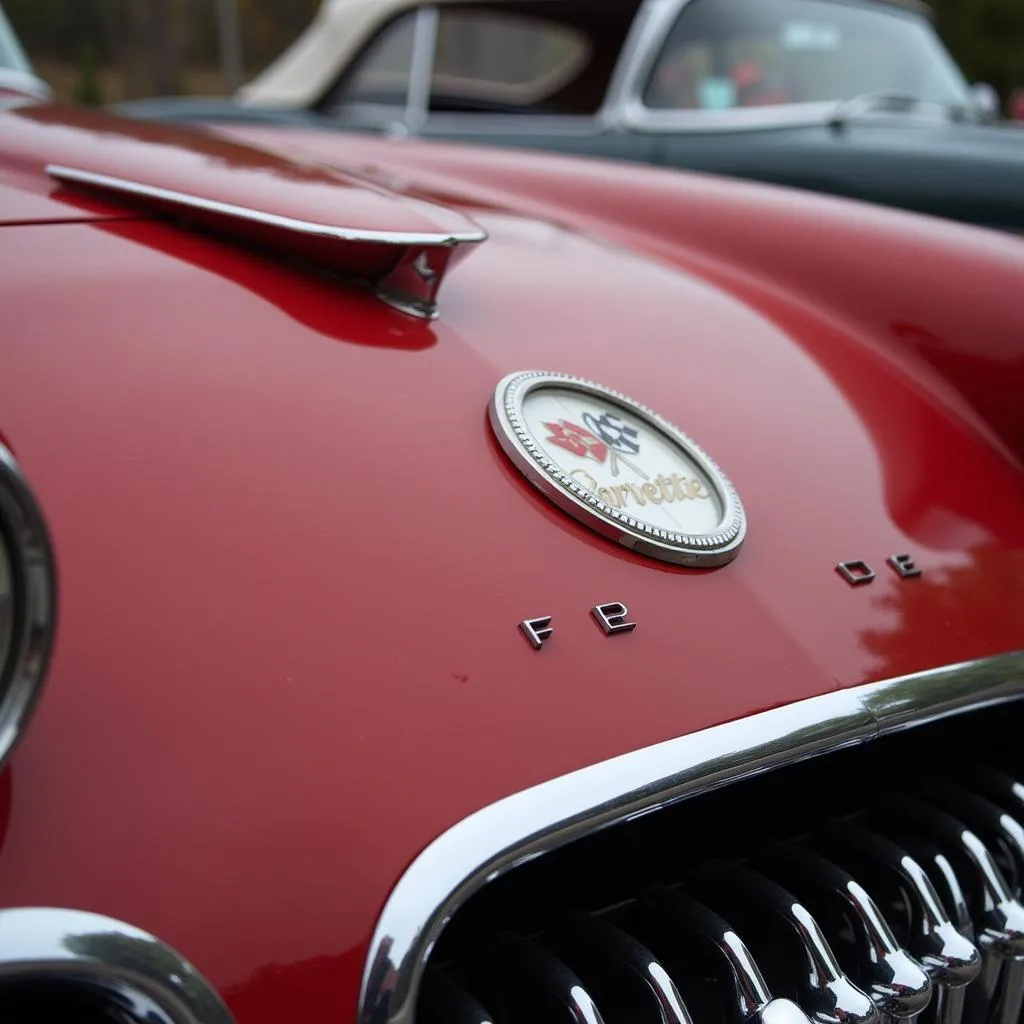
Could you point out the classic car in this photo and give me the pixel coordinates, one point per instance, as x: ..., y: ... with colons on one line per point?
x: 852, y: 97
x: 444, y: 585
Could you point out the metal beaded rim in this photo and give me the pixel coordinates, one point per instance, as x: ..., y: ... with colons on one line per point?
x: 681, y: 548
x: 27, y: 541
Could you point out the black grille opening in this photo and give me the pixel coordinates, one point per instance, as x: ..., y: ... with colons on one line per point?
x: 45, y: 1000
x: 881, y: 881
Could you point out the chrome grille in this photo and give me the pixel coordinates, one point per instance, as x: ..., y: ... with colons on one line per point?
x: 906, y: 908
x: 876, y: 879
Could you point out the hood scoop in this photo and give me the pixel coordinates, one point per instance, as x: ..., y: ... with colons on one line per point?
x: 304, y: 211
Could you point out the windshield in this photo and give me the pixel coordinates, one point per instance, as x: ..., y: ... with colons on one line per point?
x: 12, y: 56
x: 737, y: 53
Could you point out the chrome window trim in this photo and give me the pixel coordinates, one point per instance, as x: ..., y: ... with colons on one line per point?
x: 644, y: 119
x: 639, y: 52
x: 624, y: 106
x: 33, y: 621
x: 401, y: 118
x: 421, y: 69
x: 37, y: 943
x: 523, y: 826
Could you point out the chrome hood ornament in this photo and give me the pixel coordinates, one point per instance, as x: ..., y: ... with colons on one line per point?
x: 619, y: 467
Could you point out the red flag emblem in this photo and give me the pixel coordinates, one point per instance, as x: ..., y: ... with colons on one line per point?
x: 577, y: 440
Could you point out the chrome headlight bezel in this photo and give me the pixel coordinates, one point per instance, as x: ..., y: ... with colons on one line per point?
x: 31, y: 602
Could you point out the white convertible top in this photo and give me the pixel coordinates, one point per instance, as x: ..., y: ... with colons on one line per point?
x: 307, y: 69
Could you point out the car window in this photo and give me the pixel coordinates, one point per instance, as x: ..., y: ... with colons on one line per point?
x: 552, y: 58
x: 381, y: 74
x: 723, y: 54
x: 495, y: 59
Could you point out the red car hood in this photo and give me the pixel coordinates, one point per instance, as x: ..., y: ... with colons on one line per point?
x: 293, y: 557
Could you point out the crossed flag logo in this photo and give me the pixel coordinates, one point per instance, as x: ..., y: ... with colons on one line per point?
x: 607, y: 439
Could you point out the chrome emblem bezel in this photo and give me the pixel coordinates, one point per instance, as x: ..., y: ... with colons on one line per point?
x: 702, y: 550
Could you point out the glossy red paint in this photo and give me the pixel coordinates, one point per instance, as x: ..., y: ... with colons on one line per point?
x: 955, y: 287
x: 293, y: 558
x: 21, y: 206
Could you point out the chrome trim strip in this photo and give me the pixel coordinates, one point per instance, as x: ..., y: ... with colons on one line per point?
x: 410, y: 286
x: 31, y: 619
x: 639, y: 52
x: 535, y: 821
x: 421, y: 70
x: 638, y: 117
x: 90, y: 179
x: 40, y: 942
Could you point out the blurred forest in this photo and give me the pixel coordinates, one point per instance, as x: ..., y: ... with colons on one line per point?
x: 987, y: 39
x: 100, y: 51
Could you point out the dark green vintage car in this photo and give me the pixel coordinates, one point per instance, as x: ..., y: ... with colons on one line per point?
x: 853, y: 97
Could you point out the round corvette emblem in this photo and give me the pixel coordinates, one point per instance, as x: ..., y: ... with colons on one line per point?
x: 618, y: 467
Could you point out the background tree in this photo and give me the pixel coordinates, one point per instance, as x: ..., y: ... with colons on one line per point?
x: 987, y: 38
x: 127, y: 48
x: 88, y: 91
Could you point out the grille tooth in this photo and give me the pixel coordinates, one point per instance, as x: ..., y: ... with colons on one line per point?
x: 898, y: 880
x: 444, y: 1002
x: 998, y: 829
x: 688, y: 923
x: 939, y: 870
x: 627, y: 980
x: 998, y: 786
x: 997, y: 917
x: 896, y: 983
x: 521, y: 982
x: 770, y: 912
